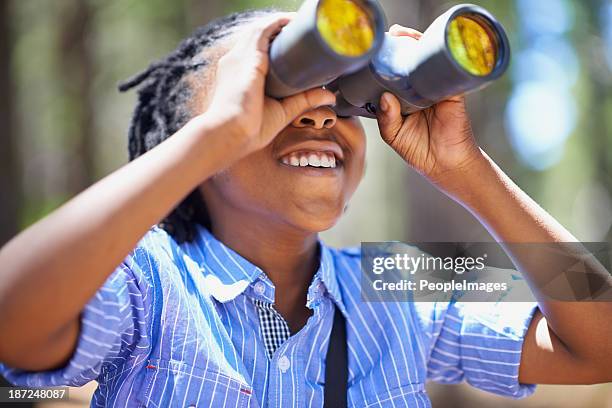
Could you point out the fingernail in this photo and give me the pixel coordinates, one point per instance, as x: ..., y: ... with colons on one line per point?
x: 384, y: 105
x: 334, y: 101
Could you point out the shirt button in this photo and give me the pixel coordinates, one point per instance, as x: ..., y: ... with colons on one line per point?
x: 284, y: 363
x: 260, y: 288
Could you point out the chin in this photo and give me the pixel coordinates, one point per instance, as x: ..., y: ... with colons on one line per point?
x: 320, y: 225
x: 319, y: 220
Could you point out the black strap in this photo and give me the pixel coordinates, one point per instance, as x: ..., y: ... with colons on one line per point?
x: 336, y: 365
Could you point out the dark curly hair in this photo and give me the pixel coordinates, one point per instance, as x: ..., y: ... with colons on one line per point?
x: 164, y: 93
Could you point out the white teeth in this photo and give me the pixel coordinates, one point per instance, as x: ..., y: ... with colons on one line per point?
x: 312, y: 159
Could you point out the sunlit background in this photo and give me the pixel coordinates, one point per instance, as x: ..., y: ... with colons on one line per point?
x: 547, y: 123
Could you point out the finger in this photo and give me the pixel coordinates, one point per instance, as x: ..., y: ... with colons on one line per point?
x: 275, y: 22
x: 272, y: 19
x: 389, y: 116
x: 289, y: 15
x: 401, y: 31
x: 258, y: 34
x: 270, y: 28
x: 295, y: 105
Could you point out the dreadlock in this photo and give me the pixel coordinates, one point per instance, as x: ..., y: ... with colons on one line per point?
x: 163, y: 108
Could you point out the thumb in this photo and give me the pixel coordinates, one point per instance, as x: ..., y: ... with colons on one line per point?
x: 389, y: 117
x: 295, y: 105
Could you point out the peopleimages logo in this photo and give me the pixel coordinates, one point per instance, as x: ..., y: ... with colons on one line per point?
x: 427, y: 263
x: 482, y: 271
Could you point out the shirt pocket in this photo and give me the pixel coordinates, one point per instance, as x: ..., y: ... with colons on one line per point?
x: 409, y: 395
x: 170, y: 383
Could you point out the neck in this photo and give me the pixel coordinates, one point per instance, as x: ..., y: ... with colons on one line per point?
x: 289, y: 258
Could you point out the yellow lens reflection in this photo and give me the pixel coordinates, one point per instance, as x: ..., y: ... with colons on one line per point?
x: 472, y: 46
x: 345, y: 26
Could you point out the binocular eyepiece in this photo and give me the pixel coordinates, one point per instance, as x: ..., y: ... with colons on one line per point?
x: 342, y: 44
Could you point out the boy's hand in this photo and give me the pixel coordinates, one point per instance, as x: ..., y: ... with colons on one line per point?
x: 239, y: 101
x: 435, y: 141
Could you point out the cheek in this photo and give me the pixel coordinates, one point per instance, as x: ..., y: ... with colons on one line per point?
x: 250, y: 183
x: 356, y: 173
x: 357, y: 141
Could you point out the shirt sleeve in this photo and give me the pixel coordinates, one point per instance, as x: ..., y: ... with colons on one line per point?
x: 113, y: 324
x: 480, y: 343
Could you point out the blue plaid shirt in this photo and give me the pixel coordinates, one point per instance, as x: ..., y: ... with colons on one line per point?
x: 176, y: 326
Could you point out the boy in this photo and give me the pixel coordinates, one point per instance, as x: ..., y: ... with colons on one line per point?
x: 230, y: 300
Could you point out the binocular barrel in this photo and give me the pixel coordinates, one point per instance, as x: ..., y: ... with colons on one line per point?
x: 326, y: 39
x: 462, y: 51
x: 341, y: 44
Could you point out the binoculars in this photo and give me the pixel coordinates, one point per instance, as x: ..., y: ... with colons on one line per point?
x: 342, y: 45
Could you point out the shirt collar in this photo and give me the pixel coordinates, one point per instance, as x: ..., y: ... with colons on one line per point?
x: 228, y: 274
x: 327, y: 274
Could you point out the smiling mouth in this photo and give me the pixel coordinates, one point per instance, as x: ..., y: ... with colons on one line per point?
x: 315, y: 159
x: 316, y: 156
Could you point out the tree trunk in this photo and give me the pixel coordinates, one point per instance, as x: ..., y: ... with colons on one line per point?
x: 10, y: 172
x: 77, y: 71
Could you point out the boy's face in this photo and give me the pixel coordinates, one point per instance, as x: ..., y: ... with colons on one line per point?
x: 293, y: 180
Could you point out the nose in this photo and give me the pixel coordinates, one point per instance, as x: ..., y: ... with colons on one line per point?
x: 322, y: 117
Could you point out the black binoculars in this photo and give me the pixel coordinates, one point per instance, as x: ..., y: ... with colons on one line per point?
x: 342, y: 45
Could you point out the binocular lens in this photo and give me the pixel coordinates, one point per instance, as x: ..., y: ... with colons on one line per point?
x: 346, y: 27
x: 473, y: 44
